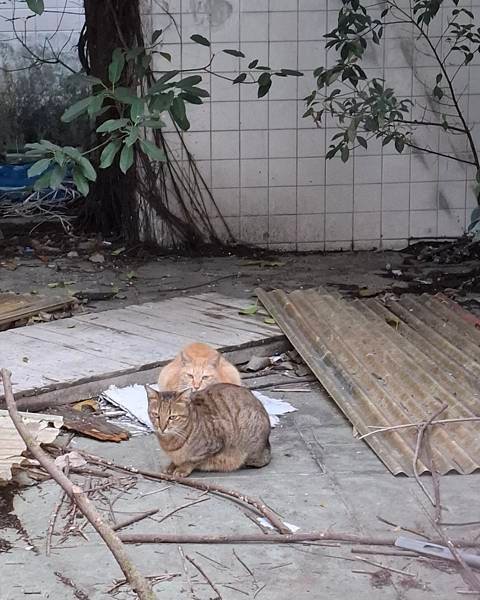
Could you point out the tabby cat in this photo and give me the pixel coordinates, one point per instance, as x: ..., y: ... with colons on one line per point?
x: 195, y: 367
x: 221, y: 428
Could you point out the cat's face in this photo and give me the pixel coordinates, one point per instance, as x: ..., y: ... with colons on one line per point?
x: 169, y: 412
x: 198, y: 374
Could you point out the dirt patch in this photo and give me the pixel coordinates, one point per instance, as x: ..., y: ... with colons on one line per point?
x: 381, y: 578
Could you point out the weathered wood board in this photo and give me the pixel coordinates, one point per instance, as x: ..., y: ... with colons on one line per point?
x: 61, y: 355
x: 16, y: 307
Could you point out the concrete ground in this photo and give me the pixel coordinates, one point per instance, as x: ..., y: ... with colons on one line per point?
x: 320, y: 477
x: 138, y: 281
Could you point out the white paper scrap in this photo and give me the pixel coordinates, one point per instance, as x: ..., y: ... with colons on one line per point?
x: 266, y: 523
x: 133, y: 399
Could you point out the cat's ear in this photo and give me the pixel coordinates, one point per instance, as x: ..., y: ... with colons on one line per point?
x: 184, y: 396
x: 216, y: 360
x: 152, y: 395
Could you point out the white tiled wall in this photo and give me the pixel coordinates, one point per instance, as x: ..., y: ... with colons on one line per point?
x: 265, y: 163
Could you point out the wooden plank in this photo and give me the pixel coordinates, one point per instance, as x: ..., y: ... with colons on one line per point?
x: 60, y: 394
x: 250, y: 323
x: 178, y: 331
x: 124, y: 348
x: 14, y: 307
x: 78, y: 353
x: 36, y: 364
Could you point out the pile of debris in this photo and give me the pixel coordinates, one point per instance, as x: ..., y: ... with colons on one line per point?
x: 431, y: 267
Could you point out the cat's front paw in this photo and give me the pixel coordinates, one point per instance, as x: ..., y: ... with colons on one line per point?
x: 171, y: 468
x: 182, y: 471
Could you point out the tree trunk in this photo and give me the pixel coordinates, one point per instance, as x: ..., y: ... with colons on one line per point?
x: 111, y: 207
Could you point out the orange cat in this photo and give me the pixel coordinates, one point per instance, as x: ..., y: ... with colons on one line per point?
x: 195, y: 367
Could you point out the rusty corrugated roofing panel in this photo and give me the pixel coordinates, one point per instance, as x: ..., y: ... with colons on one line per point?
x: 392, y: 363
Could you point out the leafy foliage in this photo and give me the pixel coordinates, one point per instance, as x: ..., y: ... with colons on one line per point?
x: 124, y: 117
x: 367, y: 108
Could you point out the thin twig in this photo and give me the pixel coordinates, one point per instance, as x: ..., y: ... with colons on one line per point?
x: 259, y: 506
x: 77, y: 592
x: 135, y: 519
x: 385, y: 552
x: 53, y: 518
x: 75, y: 492
x: 273, y: 538
x: 435, y: 478
x: 187, y: 574
x: 469, y: 574
x: 181, y: 508
x: 409, y: 529
x: 382, y: 566
x: 205, y: 576
x: 418, y: 447
x: 419, y: 424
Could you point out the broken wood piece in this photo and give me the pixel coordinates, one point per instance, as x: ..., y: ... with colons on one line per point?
x: 16, y: 307
x: 93, y: 426
x: 75, y: 492
x: 43, y: 428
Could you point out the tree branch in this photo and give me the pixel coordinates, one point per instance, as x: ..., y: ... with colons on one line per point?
x: 76, y: 493
x: 259, y: 506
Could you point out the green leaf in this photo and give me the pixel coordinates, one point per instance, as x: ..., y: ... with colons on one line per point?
x: 39, y: 167
x: 189, y: 82
x: 199, y: 39
x: 43, y: 182
x: 90, y: 79
x: 236, y: 53
x: 156, y: 34
x: 36, y: 6
x: 253, y: 64
x: 71, y: 152
x: 117, y: 65
x: 112, y: 125
x: 269, y: 321
x: 137, y: 109
x: 362, y: 141
x: 249, y: 310
x: 264, y: 84
x: 291, y: 72
x: 57, y: 176
x: 126, y: 158
x: 86, y: 168
x: 76, y: 110
x: 108, y: 153
x: 344, y: 153
x: 159, y: 86
x: 80, y: 182
x: 178, y: 113
x: 154, y: 123
x: 200, y: 92
x: 166, y: 56
x: 132, y: 137
x: 96, y: 103
x: 191, y: 98
x: 161, y: 102
x: 399, y: 144
x: 152, y: 150
x: 240, y: 78
x: 125, y: 95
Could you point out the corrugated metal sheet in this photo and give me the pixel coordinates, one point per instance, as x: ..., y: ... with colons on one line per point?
x: 391, y: 363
